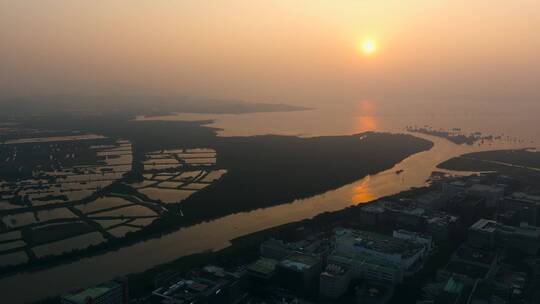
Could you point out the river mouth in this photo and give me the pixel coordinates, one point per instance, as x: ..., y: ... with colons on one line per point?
x: 214, y: 235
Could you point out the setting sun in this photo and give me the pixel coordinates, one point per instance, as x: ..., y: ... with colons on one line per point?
x: 136, y: 133
x: 368, y: 47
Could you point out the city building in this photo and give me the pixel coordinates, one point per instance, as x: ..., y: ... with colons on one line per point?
x: 491, y: 234
x: 434, y: 200
x: 468, y: 208
x: 415, y: 237
x: 470, y: 264
x: 508, y: 284
x: 442, y: 225
x: 491, y: 193
x: 405, y: 254
x: 113, y: 292
x: 372, y: 214
x: 273, y: 296
x: 405, y: 214
x: 454, y: 187
x: 473, y: 186
x: 374, y: 293
x: 299, y: 272
x: 366, y: 267
x: 313, y: 245
x: 263, y: 268
x: 375, y: 256
x: 408, y: 214
x: 452, y: 290
x: 207, y: 285
x: 334, y: 281
x: 275, y: 249
x: 525, y: 206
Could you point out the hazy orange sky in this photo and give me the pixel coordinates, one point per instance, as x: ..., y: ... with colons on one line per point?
x: 298, y: 52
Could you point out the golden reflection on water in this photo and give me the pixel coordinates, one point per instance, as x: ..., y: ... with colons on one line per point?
x: 216, y: 234
x: 366, y: 119
x: 362, y: 193
x: 365, y: 123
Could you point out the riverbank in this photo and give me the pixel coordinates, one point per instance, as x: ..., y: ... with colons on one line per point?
x: 521, y: 164
x: 245, y: 249
x: 216, y: 235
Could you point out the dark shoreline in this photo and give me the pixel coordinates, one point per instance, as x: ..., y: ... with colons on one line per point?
x: 524, y: 164
x: 454, y: 136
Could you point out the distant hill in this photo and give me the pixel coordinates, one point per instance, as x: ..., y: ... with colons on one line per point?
x: 131, y: 105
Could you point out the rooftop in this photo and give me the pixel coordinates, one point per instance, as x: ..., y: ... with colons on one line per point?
x: 344, y: 258
x: 182, y: 289
x: 524, y: 197
x: 405, y: 207
x: 433, y: 195
x: 453, y: 286
x: 475, y: 255
x: 412, y: 234
x: 372, y: 208
x: 490, y: 226
x: 378, y: 242
x: 200, y: 283
x: 511, y: 278
x: 335, y: 270
x: 95, y: 292
x: 484, y: 225
x: 485, y: 188
x: 442, y: 219
x: 467, y: 269
x: 373, y: 293
x: 312, y: 244
x: 458, y: 183
x: 300, y: 262
x: 263, y: 266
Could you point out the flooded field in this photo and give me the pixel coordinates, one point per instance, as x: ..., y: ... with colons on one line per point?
x: 46, y: 189
x: 216, y: 234
x: 171, y: 176
x: 37, y: 173
x: 52, y: 197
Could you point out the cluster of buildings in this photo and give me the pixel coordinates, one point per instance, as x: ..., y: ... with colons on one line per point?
x: 493, y: 235
x: 412, y: 215
x: 330, y: 265
x: 520, y: 207
x: 481, y: 272
x: 113, y: 292
x: 210, y: 284
x: 498, y: 263
x: 480, y: 237
x: 292, y: 265
x: 372, y: 257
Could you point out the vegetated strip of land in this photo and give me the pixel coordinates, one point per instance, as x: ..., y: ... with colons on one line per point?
x: 265, y: 171
x: 522, y: 164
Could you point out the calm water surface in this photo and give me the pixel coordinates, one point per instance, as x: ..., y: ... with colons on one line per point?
x: 216, y: 234
x: 518, y: 121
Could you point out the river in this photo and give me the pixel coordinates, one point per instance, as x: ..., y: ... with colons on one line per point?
x: 214, y: 235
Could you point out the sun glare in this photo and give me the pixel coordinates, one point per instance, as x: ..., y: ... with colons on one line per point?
x: 368, y: 46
